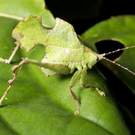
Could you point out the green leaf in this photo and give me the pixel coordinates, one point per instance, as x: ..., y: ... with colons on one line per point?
x: 36, y: 107
x: 21, y: 8
x: 33, y: 103
x: 6, y: 41
x: 5, y: 128
x: 24, y: 8
x: 121, y: 29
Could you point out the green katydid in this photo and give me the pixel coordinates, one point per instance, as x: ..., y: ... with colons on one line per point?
x: 64, y: 52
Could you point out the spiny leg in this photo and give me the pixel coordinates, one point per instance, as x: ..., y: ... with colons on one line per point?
x: 85, y: 85
x: 15, y: 71
x: 74, y: 79
x: 83, y: 77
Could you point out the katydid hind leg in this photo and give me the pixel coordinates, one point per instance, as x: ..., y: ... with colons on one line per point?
x: 73, y: 81
x: 15, y: 71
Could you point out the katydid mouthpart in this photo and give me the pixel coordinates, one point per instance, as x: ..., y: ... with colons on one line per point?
x: 64, y: 52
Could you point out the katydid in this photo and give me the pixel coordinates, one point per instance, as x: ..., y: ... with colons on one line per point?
x: 64, y: 52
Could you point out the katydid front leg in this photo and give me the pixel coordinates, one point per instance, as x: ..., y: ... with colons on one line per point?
x: 8, y: 61
x: 81, y: 76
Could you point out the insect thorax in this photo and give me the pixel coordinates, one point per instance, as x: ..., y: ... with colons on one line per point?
x: 69, y: 59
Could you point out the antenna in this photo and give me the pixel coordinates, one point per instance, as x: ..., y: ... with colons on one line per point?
x: 121, y: 49
x: 117, y: 64
x: 102, y: 56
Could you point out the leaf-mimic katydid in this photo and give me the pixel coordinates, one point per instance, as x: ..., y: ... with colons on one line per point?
x: 64, y: 52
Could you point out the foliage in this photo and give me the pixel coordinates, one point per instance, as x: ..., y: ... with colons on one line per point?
x: 36, y: 107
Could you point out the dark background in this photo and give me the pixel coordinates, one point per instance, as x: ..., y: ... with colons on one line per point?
x: 84, y: 14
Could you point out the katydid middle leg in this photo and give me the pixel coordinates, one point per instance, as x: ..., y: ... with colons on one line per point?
x: 15, y: 70
x: 73, y: 80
